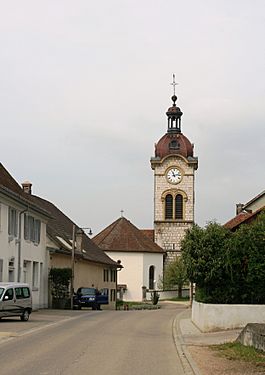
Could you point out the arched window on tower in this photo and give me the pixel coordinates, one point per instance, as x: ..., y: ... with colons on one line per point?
x: 169, y: 207
x: 151, y: 277
x: 179, y: 207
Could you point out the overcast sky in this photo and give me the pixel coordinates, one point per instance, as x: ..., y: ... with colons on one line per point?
x: 84, y: 87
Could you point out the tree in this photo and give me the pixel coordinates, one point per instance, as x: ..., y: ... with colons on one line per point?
x: 175, y: 275
x: 246, y: 262
x: 227, y: 267
x: 204, y: 255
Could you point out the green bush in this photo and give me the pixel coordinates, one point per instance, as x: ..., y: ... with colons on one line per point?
x: 59, y: 282
x: 227, y: 267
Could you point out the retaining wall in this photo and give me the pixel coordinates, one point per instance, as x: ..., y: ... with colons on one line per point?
x: 216, y: 317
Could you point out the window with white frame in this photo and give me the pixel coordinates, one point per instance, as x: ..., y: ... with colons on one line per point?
x: 35, y: 275
x: 11, y: 269
x: 27, y: 271
x: 12, y: 222
x: 32, y: 228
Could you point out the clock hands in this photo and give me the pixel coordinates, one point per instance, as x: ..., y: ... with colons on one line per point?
x: 174, y: 175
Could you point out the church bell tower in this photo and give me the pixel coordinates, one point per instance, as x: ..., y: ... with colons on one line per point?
x: 174, y: 167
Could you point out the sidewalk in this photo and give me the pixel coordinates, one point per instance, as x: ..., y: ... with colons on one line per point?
x: 187, y: 334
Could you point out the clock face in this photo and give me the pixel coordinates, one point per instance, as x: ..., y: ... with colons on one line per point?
x: 174, y: 176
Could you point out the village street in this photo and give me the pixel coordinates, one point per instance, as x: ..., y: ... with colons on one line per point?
x: 91, y: 342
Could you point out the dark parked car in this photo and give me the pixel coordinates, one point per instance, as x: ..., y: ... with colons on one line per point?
x: 89, y: 297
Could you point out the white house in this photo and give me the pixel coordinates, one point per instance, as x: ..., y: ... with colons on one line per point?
x: 23, y: 254
x: 141, y: 258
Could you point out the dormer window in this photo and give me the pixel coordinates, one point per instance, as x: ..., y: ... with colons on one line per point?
x: 174, y: 145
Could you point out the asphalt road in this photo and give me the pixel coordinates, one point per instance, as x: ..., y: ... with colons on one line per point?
x: 92, y: 342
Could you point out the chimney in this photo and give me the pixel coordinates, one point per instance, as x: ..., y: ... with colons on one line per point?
x: 26, y: 186
x: 239, y: 208
x: 79, y: 239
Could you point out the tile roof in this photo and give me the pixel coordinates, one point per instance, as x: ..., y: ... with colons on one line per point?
x: 61, y: 226
x: 237, y: 220
x: 242, y: 217
x: 150, y: 233
x: 8, y: 181
x: 10, y: 187
x: 122, y: 235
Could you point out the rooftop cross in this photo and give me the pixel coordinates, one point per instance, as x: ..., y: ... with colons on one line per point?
x: 174, y: 84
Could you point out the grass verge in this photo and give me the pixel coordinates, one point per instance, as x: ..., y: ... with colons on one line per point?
x: 237, y: 351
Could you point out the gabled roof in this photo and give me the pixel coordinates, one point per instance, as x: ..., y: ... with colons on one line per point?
x: 60, y: 230
x: 123, y: 236
x: 59, y: 226
x: 242, y: 217
x: 10, y: 187
x: 257, y: 197
x: 8, y: 181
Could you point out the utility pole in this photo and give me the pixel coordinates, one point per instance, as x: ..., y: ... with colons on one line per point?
x: 73, y: 267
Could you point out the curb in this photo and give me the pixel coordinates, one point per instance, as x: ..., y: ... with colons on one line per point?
x: 188, y: 364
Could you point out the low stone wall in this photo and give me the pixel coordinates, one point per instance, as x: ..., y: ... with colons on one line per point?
x: 216, y: 317
x: 253, y: 335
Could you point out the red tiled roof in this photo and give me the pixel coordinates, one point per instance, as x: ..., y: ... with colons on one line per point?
x: 237, y: 220
x: 150, y: 233
x: 242, y: 217
x: 122, y: 235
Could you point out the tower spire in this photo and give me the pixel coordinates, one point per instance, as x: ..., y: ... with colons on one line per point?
x: 174, y: 113
x: 174, y: 84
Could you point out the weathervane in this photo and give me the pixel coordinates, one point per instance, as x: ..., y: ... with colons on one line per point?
x: 174, y: 84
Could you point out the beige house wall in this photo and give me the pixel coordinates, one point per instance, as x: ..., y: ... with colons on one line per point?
x: 86, y: 274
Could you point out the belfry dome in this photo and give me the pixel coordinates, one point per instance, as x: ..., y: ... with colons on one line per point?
x: 173, y: 143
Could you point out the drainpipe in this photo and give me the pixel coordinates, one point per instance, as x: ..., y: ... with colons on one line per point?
x: 73, y: 266
x: 19, y: 244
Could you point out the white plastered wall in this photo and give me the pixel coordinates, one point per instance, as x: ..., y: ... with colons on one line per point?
x: 135, y: 272
x: 30, y: 252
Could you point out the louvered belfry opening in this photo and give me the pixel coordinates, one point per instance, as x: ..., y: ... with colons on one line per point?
x: 179, y: 207
x: 169, y: 207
